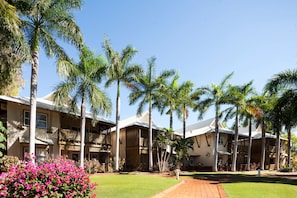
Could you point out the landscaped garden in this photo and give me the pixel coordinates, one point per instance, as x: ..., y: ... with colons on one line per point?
x: 240, y: 184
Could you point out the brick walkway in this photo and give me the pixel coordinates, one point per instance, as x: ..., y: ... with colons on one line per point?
x: 190, y: 188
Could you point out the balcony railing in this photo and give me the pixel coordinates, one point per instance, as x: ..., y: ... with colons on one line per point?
x: 68, y: 135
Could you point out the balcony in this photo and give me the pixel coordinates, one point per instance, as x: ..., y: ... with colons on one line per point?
x: 68, y: 135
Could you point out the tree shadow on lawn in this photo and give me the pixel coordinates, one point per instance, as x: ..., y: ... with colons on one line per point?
x: 236, y: 178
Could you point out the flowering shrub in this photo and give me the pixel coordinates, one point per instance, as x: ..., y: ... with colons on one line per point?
x: 7, y: 162
x: 59, y: 178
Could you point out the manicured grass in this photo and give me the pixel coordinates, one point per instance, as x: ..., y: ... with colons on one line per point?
x: 129, y: 186
x: 248, y: 184
x: 259, y: 190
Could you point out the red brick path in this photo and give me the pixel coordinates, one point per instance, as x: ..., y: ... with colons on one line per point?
x: 190, y: 188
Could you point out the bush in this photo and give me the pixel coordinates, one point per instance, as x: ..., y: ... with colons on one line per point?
x: 287, y: 169
x: 59, y: 178
x: 8, y: 161
x: 94, y: 166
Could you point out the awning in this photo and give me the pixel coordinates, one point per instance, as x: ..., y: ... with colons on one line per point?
x: 224, y: 153
x: 37, y: 141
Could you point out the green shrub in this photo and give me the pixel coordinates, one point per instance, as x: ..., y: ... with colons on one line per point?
x: 7, y: 161
x: 287, y: 169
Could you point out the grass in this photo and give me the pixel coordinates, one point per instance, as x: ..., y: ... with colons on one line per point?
x: 129, y: 186
x: 247, y: 184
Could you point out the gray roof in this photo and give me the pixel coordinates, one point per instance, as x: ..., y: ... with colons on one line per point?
x: 202, y: 127
x: 137, y: 120
x: 256, y: 133
x: 47, y: 104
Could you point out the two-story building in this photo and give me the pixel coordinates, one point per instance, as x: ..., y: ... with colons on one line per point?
x: 57, y: 130
x: 202, y: 155
x: 134, y: 138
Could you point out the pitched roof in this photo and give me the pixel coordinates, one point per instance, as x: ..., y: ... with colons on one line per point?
x: 202, y: 127
x: 137, y: 120
x: 47, y: 103
x: 256, y: 132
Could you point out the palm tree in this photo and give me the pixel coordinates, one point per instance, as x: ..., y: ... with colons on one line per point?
x: 13, y: 49
x: 81, y: 82
x: 237, y: 98
x: 181, y: 146
x: 146, y: 90
x: 215, y: 95
x: 42, y: 22
x: 120, y: 71
x: 284, y: 84
x: 186, y: 100
x: 169, y: 98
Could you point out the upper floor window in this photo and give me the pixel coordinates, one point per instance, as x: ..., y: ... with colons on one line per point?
x: 41, y: 119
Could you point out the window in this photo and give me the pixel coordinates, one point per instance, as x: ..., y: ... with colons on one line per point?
x: 41, y: 120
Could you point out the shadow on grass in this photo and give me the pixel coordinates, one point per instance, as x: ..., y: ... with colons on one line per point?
x: 236, y: 178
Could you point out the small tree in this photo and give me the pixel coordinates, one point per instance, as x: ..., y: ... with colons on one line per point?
x: 182, y: 146
x: 164, y: 143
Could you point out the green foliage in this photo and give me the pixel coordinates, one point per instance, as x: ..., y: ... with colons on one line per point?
x: 7, y: 162
x: 3, y: 132
x: 131, y: 185
x: 181, y: 147
x: 58, y: 178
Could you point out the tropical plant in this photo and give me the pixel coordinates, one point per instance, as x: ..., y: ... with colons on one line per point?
x: 58, y: 178
x: 146, y: 90
x: 3, y: 132
x: 213, y: 95
x: 13, y: 49
x: 119, y: 70
x: 284, y: 84
x: 237, y: 98
x: 43, y: 23
x: 181, y: 147
x: 164, y: 144
x: 81, y: 82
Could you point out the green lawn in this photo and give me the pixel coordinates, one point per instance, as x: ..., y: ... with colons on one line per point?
x: 130, y: 186
x: 236, y: 185
x: 260, y: 190
x: 247, y: 184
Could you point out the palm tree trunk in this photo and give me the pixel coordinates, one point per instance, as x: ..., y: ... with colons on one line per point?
x: 82, y: 132
x: 235, y: 148
x: 289, y: 146
x: 250, y: 145
x: 277, y: 152
x: 150, y: 138
x: 33, y: 96
x: 184, y: 121
x: 216, y: 145
x: 263, y: 146
x: 117, y: 127
x: 170, y: 119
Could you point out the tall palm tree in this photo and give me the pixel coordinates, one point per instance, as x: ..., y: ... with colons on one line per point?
x: 169, y: 98
x: 13, y: 49
x: 146, y: 90
x: 43, y: 21
x: 248, y: 116
x: 215, y: 95
x: 237, y: 98
x: 284, y: 83
x: 81, y: 82
x: 185, y: 100
x: 120, y: 70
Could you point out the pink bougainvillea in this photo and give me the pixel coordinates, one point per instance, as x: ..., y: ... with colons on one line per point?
x: 56, y: 178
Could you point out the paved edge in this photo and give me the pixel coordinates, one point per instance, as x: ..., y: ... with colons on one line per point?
x: 221, y: 191
x: 161, y: 194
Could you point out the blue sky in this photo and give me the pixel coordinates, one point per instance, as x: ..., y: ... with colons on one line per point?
x: 202, y: 40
